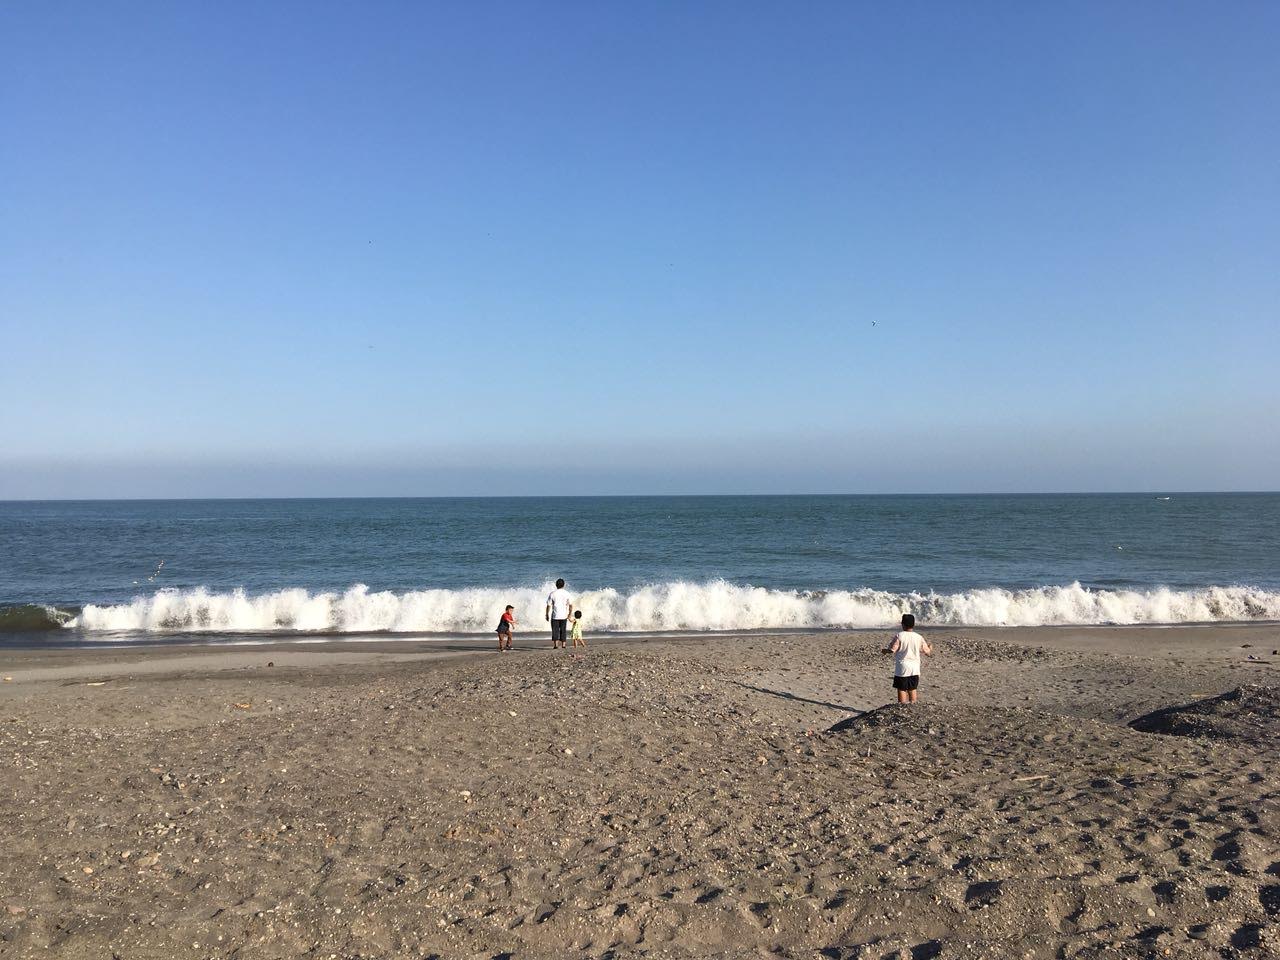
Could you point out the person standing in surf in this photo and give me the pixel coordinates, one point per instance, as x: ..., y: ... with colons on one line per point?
x: 906, y: 647
x: 559, y: 610
x: 506, y: 627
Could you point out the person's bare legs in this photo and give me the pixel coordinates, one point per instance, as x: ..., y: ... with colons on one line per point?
x: 913, y: 696
x: 902, y: 696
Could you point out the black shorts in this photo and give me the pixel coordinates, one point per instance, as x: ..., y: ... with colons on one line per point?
x: 504, y: 630
x: 906, y: 683
x: 559, y: 630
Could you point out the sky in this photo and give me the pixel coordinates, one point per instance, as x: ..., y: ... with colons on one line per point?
x: 337, y: 249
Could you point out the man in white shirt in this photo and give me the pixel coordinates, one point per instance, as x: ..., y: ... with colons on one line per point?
x: 559, y: 610
x: 906, y: 648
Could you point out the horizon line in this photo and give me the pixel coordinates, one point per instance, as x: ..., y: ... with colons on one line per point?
x: 654, y: 496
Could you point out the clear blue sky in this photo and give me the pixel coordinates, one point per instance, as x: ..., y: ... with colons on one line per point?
x: 411, y: 248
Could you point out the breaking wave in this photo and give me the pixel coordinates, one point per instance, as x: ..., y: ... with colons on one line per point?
x: 32, y: 617
x: 714, y: 605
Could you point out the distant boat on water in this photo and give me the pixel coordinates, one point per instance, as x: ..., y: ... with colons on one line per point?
x: 1164, y: 498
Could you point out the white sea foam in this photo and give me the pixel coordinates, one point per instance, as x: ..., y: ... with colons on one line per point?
x: 714, y: 605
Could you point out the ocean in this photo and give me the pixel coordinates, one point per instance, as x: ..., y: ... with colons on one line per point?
x: 109, y: 571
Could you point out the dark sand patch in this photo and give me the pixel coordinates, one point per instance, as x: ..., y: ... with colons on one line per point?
x: 1249, y: 713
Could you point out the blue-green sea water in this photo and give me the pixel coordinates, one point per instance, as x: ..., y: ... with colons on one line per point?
x: 99, y: 569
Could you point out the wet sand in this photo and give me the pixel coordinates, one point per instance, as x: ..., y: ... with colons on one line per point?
x: 660, y: 797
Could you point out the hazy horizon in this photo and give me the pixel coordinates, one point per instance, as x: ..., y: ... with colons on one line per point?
x: 659, y: 496
x: 1153, y: 491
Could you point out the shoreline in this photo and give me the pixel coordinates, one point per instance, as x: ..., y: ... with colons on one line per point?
x: 88, y: 639
x: 1198, y: 639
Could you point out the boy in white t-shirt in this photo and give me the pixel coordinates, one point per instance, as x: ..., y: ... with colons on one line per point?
x: 907, y: 647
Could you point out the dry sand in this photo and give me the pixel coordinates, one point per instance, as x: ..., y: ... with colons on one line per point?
x: 660, y: 798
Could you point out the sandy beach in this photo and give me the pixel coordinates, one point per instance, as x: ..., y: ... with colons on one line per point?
x: 657, y: 798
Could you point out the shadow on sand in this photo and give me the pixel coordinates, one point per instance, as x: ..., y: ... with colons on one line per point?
x: 783, y: 694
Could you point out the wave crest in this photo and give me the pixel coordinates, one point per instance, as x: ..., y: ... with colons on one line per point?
x: 714, y: 605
